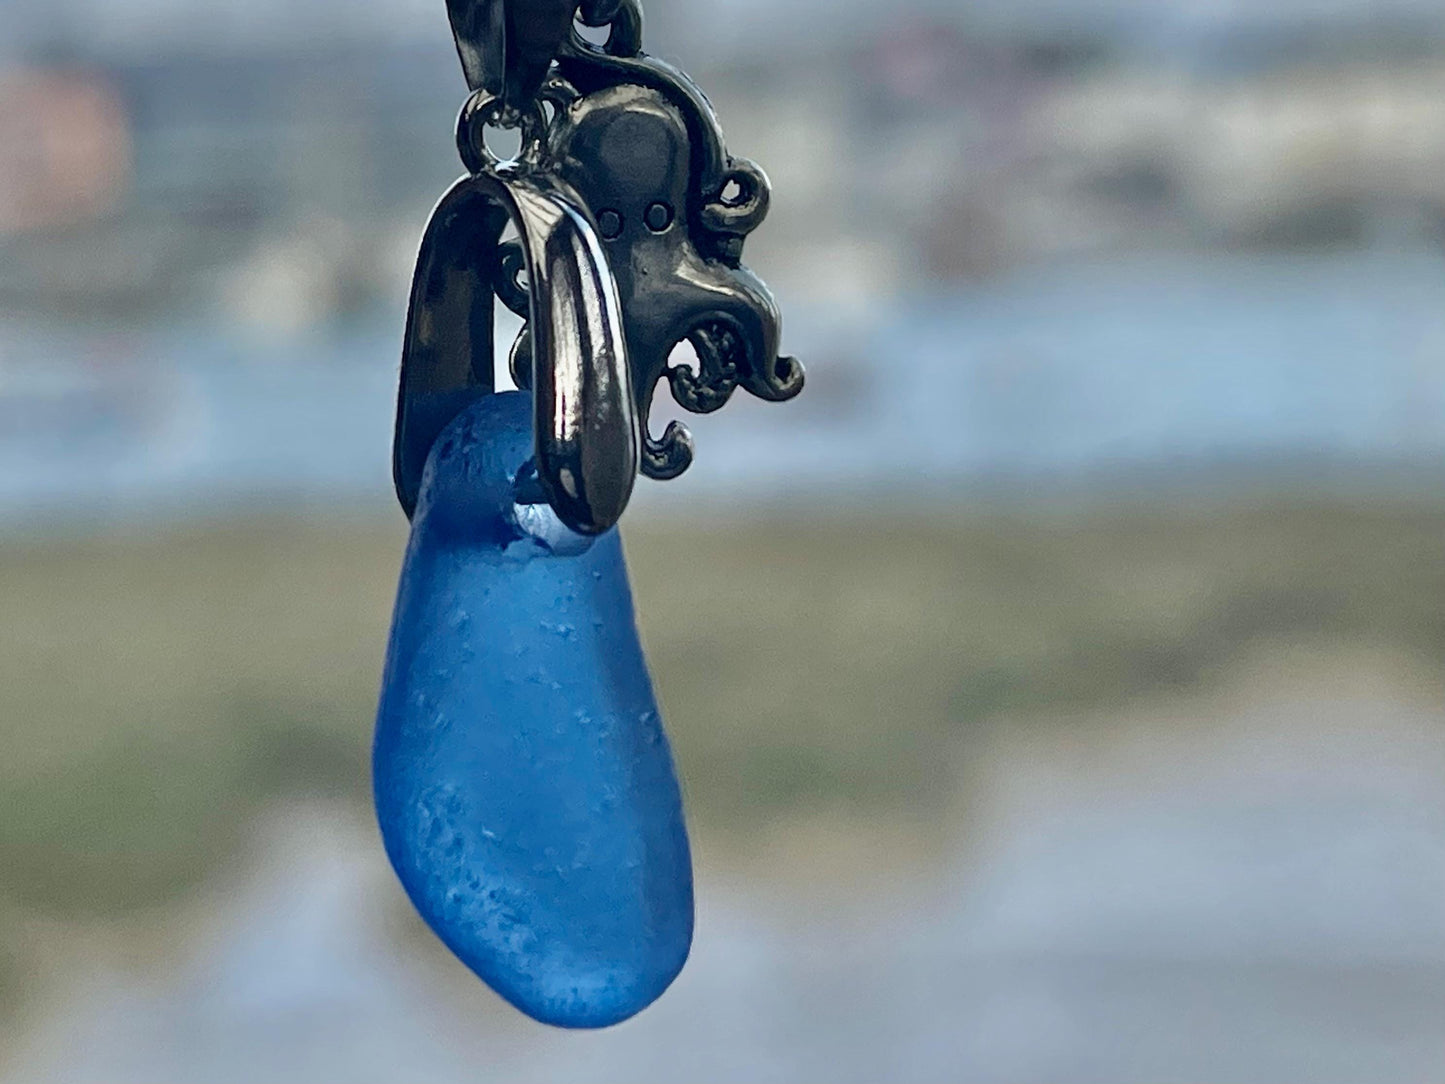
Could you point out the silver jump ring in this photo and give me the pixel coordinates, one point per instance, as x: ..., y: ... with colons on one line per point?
x: 484, y: 109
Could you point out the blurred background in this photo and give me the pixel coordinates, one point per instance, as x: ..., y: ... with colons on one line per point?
x: 1057, y: 684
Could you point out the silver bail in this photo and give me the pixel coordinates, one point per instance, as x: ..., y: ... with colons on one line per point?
x: 587, y: 431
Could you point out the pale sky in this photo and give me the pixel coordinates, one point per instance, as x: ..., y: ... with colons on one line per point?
x: 712, y: 26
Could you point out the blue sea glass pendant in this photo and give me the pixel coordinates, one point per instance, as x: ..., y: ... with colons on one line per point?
x: 524, y: 787
x: 523, y: 783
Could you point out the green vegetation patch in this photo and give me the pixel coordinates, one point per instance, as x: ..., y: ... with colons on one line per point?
x: 156, y: 690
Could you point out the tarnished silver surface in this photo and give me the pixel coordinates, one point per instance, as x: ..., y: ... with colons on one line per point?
x: 631, y: 218
x: 586, y: 421
x: 506, y: 46
x: 586, y: 425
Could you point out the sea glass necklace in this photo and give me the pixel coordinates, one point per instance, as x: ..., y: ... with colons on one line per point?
x: 524, y: 785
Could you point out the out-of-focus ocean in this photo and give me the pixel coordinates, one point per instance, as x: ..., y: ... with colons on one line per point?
x: 1127, y: 372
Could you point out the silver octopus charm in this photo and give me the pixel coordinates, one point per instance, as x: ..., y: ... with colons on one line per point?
x: 631, y: 217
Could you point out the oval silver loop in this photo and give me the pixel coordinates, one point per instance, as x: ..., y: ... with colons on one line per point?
x: 586, y: 420
x: 587, y: 429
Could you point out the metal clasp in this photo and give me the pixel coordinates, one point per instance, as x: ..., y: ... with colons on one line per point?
x: 507, y: 46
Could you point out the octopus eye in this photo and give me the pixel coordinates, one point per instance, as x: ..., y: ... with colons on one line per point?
x: 658, y: 217
x: 609, y: 223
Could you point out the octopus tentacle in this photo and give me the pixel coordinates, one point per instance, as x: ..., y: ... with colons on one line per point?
x: 511, y: 265
x: 665, y: 459
x: 718, y: 347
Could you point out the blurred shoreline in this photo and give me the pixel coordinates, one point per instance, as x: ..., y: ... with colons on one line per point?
x: 1126, y: 376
